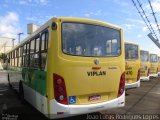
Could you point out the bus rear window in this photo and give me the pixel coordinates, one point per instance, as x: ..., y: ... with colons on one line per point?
x: 144, y: 56
x: 90, y: 40
x: 153, y: 58
x: 131, y: 51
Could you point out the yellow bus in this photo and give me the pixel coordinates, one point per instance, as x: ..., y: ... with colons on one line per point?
x: 132, y: 69
x: 145, y: 65
x: 70, y: 66
x: 153, y: 71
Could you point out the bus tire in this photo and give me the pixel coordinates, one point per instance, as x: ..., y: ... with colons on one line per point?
x: 9, y: 83
x: 21, y: 92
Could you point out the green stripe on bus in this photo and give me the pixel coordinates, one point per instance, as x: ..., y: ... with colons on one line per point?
x: 36, y: 79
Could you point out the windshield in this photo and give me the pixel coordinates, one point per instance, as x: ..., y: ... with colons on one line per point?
x: 144, y: 56
x: 131, y: 51
x: 90, y: 40
x: 153, y: 58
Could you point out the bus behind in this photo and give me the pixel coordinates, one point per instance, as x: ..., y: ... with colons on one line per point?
x: 132, y: 69
x: 145, y: 65
x: 153, y: 71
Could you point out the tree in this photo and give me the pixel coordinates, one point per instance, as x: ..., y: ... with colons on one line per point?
x: 3, y: 57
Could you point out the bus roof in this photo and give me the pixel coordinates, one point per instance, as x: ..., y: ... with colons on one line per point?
x: 87, y: 20
x: 126, y: 42
x: 69, y: 19
x: 144, y: 50
x: 153, y: 54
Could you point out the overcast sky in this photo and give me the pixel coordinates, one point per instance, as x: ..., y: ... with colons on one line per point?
x: 16, y: 14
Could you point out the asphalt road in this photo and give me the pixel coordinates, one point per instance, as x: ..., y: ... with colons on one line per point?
x: 144, y: 100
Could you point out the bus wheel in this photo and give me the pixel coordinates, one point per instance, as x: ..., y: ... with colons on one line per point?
x: 9, y: 83
x: 21, y: 92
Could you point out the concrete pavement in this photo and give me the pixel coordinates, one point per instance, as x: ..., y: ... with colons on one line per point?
x: 142, y: 100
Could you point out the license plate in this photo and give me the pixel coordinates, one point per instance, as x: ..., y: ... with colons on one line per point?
x: 94, y: 97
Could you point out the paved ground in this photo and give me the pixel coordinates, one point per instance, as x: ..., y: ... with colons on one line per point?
x: 144, y: 100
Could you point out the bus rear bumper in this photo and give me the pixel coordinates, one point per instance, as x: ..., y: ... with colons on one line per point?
x: 144, y: 78
x: 133, y: 85
x: 153, y: 75
x: 72, y: 110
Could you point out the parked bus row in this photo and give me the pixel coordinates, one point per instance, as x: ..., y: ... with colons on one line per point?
x: 140, y: 65
x: 73, y: 66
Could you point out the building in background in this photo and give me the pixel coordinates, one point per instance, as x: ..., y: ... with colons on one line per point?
x: 31, y: 28
x: 6, y: 44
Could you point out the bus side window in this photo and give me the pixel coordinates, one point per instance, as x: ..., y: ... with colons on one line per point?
x: 23, y: 55
x: 20, y: 56
x: 44, y: 46
x: 36, y: 55
x: 14, y: 58
x: 32, y: 46
x: 9, y: 59
x: 26, y: 55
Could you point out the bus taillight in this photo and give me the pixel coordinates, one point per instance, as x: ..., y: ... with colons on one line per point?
x: 121, y: 85
x: 60, y: 89
x: 138, y: 75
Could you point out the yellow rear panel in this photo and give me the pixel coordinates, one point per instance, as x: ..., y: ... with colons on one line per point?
x: 82, y: 81
x: 144, y: 68
x: 132, y: 68
x: 153, y: 68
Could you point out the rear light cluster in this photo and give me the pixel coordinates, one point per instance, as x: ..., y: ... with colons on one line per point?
x: 59, y: 89
x: 138, y: 75
x: 121, y: 85
x: 148, y: 72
